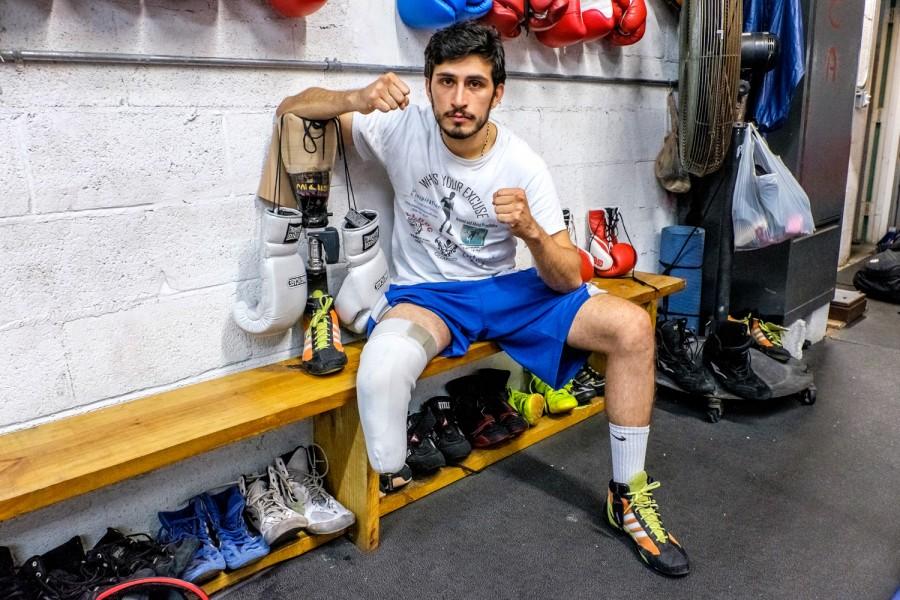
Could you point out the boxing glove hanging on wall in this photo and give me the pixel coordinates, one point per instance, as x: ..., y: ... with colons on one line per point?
x: 598, y: 19
x: 544, y: 14
x: 507, y: 16
x: 296, y: 8
x: 434, y: 14
x: 569, y: 30
x: 631, y: 21
x: 612, y: 258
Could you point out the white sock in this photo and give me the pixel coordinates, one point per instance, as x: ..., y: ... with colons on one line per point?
x: 629, y: 449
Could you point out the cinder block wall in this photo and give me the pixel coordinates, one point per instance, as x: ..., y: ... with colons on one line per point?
x: 128, y: 220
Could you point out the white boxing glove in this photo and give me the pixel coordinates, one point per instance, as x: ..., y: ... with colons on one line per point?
x: 283, y: 274
x: 368, y: 275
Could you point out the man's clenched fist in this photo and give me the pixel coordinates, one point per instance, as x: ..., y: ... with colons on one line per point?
x: 511, y: 206
x: 386, y: 93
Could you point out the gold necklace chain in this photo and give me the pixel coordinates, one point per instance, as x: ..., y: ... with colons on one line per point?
x: 487, y: 136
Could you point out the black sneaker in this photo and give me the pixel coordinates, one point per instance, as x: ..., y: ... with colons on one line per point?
x: 123, y: 556
x: 422, y: 454
x: 587, y: 384
x: 323, y: 352
x: 677, y: 356
x: 391, y: 482
x: 13, y: 587
x: 448, y: 437
x: 727, y: 354
x: 495, y: 394
x: 63, y: 573
x: 478, y: 425
x: 632, y: 510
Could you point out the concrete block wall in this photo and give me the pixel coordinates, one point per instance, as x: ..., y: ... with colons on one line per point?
x: 128, y: 223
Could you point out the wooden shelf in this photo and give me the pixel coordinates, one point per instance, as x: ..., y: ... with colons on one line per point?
x: 479, y: 459
x: 68, y: 457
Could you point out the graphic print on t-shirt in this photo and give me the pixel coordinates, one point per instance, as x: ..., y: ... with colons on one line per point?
x: 454, y: 213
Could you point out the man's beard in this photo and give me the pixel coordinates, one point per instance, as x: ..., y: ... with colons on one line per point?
x: 458, y: 132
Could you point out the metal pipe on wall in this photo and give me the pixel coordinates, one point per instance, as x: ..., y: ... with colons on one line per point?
x: 14, y: 56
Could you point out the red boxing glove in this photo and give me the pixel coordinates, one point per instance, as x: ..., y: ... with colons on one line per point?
x: 569, y: 30
x: 296, y: 8
x: 587, y: 265
x: 546, y: 13
x: 611, y: 257
x: 630, y: 15
x: 620, y: 39
x: 598, y: 19
x: 507, y: 16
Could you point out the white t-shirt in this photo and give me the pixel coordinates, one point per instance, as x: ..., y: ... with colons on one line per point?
x: 445, y: 228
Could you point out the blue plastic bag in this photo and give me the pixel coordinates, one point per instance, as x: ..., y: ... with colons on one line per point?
x: 783, y: 18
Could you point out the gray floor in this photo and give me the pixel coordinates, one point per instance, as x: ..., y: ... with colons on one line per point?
x: 777, y: 500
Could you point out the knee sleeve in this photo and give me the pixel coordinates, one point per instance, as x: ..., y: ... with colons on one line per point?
x: 391, y: 361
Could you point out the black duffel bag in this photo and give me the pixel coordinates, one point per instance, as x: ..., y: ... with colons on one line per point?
x: 879, y: 277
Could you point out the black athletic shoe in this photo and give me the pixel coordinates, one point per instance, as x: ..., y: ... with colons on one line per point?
x: 632, y: 510
x: 391, y: 482
x: 587, y: 384
x: 422, y: 454
x: 495, y: 394
x: 448, y: 437
x: 63, y: 574
x: 13, y: 587
x: 727, y: 354
x: 123, y: 556
x: 677, y: 356
x: 478, y: 425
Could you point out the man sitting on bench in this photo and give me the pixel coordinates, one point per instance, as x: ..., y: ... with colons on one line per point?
x: 455, y: 281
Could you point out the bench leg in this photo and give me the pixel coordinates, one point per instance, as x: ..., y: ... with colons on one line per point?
x: 350, y: 478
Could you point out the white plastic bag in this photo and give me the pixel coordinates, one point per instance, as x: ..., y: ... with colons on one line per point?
x: 768, y: 205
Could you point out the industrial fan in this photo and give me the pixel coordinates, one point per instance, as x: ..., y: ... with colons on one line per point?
x: 717, y: 65
x: 708, y: 81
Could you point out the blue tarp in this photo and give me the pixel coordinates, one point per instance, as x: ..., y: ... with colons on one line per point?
x: 783, y: 18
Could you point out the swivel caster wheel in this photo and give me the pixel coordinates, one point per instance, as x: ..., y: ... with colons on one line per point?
x: 714, y: 410
x: 808, y: 396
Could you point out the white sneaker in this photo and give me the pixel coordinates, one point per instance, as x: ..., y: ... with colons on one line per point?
x: 301, y: 485
x: 266, y: 508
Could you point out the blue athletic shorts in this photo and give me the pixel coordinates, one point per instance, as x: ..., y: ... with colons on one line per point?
x: 527, y: 319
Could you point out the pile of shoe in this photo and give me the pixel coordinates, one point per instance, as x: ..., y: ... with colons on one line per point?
x: 287, y: 498
x: 724, y: 358
x: 481, y: 411
x: 68, y: 572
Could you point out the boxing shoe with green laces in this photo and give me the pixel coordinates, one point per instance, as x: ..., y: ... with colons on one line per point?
x: 632, y: 510
x: 528, y: 404
x: 323, y: 352
x: 557, y: 401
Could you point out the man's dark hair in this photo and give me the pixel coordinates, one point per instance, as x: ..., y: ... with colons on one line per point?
x: 464, y: 39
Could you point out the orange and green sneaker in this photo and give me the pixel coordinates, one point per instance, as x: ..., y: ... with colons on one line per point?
x: 557, y: 401
x: 527, y: 404
x: 323, y: 352
x: 632, y: 510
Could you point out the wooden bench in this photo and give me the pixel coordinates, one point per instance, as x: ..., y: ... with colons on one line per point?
x: 68, y: 457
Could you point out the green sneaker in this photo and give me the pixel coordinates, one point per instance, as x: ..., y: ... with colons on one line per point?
x: 631, y: 510
x: 527, y: 404
x: 557, y: 401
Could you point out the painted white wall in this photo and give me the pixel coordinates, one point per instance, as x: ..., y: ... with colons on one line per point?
x: 128, y: 223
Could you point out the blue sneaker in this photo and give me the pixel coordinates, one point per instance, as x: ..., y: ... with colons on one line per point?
x: 225, y: 511
x: 190, y: 522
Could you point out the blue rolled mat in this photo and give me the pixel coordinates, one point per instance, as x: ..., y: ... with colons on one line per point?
x: 681, y: 255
